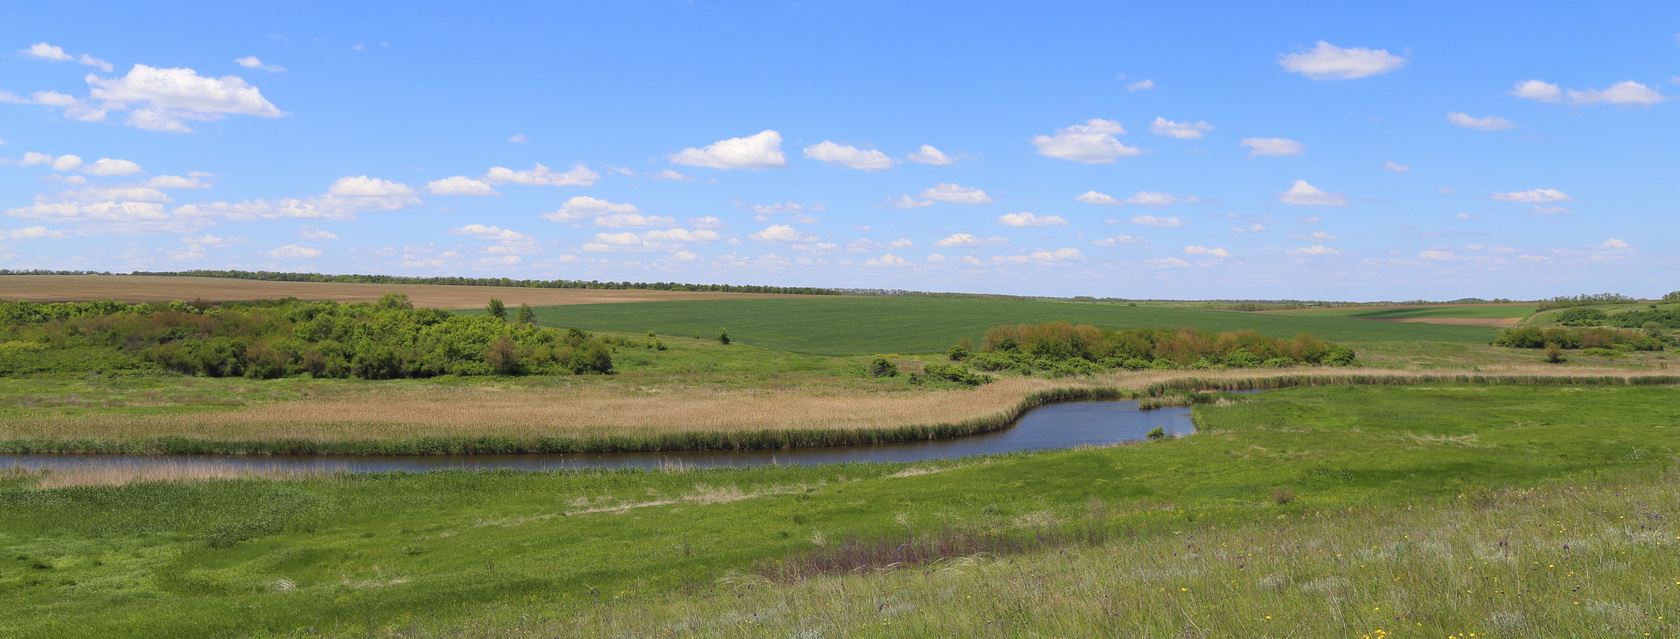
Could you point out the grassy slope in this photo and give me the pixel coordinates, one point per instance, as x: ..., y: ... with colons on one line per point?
x: 863, y: 325
x: 426, y: 552
x: 1419, y: 311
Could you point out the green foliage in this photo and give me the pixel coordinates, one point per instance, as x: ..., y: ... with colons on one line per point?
x: 525, y: 315
x: 723, y: 336
x: 1157, y: 433
x: 1554, y: 353
x: 882, y: 367
x: 1566, y: 301
x: 1568, y: 338
x: 387, y: 339
x: 496, y: 309
x: 1063, y: 349
x: 958, y: 352
x: 955, y: 373
x: 1671, y: 296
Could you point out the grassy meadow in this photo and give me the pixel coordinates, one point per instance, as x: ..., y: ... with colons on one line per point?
x: 1498, y: 311
x: 1320, y: 506
x: 865, y: 325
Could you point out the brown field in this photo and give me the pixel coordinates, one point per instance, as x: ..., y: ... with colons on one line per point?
x: 142, y: 288
x: 1460, y: 321
x: 1378, y: 308
x: 590, y: 410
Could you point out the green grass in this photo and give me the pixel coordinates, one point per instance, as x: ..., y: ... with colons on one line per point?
x: 865, y: 325
x: 491, y: 553
x: 1420, y: 311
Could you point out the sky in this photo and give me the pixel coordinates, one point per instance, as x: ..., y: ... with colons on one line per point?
x: 1291, y: 150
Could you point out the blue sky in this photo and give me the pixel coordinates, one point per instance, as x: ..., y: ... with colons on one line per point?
x: 1161, y: 150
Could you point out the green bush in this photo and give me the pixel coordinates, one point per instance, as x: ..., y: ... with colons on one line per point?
x: 882, y: 367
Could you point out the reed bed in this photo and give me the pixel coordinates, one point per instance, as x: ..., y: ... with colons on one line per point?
x: 124, y: 474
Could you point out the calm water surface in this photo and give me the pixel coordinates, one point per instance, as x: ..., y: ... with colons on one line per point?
x: 1054, y: 426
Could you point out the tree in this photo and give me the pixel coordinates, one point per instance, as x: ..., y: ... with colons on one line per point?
x: 525, y: 315
x: 1554, y: 353
x: 395, y: 301
x: 503, y: 356
x: 497, y: 309
x: 723, y: 336
x: 1672, y: 296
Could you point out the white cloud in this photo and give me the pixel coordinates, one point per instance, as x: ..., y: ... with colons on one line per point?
x: 781, y: 233
x: 583, y: 207
x: 1489, y: 123
x: 1315, y: 236
x: 1275, y: 147
x: 74, y: 108
x: 632, y: 221
x: 1198, y: 249
x: 493, y: 233
x: 1537, y: 90
x: 213, y: 241
x: 160, y: 99
x: 1614, y: 244
x: 44, y: 51
x: 1316, y: 249
x: 1180, y: 130
x: 1302, y: 194
x: 929, y: 155
x: 32, y: 233
x: 519, y: 138
x: 67, y: 163
x: 708, y: 222
x: 1536, y: 196
x: 682, y: 236
x: 460, y: 185
x: 1150, y: 220
x: 968, y: 239
x: 1547, y: 210
x: 1330, y: 62
x: 1027, y: 219
x: 1167, y: 262
x: 889, y: 260
x: 177, y: 182
x: 907, y: 202
x: 1439, y: 256
x: 1092, y: 142
x: 772, y: 209
x: 1119, y: 239
x: 1620, y: 94
x: 579, y: 175
x: 1058, y: 255
x: 311, y: 233
x: 672, y: 176
x: 1141, y: 85
x: 1396, y: 167
x: 294, y: 251
x: 108, y: 166
x: 684, y: 256
x: 946, y: 192
x: 849, y: 156
x: 1142, y: 198
x: 123, y: 193
x: 251, y: 62
x: 1253, y: 227
x: 762, y: 150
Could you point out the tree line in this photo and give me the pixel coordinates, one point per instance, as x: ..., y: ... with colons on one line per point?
x: 1063, y: 348
x: 276, y: 276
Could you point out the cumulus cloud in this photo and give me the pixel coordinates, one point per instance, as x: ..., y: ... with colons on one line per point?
x: 1118, y: 239
x: 1180, y: 130
x: 1614, y: 244
x: 968, y: 239
x: 1547, y: 210
x: 632, y: 221
x: 1396, y: 167
x: 494, y: 233
x: 1302, y: 194
x: 579, y: 175
x: 1092, y: 142
x: 772, y: 208
x: 1042, y: 256
x: 32, y: 233
x: 1027, y: 219
x: 707, y: 222
x: 583, y: 207
x: 946, y: 192
x: 160, y: 99
x: 907, y: 202
x: 889, y: 260
x: 1535, y: 196
x: 1200, y: 250
x: 519, y: 138
x: 1141, y: 85
x: 44, y: 51
x: 1275, y: 147
x: 1330, y: 62
x: 1150, y: 220
x: 1316, y: 249
x: 251, y: 62
x: 1439, y: 256
x: 1489, y: 123
x: 1628, y: 93
x: 1315, y: 236
x: 670, y: 176
x: 1142, y: 198
x: 1167, y: 262
x: 849, y: 156
x: 108, y: 166
x: 781, y: 233
x: 929, y: 155
x: 682, y: 236
x: 177, y: 182
x: 762, y: 150
x: 294, y: 251
x: 460, y: 185
x: 1537, y: 90
x: 311, y: 233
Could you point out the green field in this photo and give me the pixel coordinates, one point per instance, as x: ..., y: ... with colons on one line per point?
x: 500, y: 553
x: 1499, y: 312
x: 864, y: 325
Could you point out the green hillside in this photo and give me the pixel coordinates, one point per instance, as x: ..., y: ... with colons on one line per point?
x: 862, y: 325
x: 1421, y: 311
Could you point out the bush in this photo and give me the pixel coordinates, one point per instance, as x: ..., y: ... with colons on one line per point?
x: 882, y: 367
x: 497, y: 309
x: 949, y: 373
x: 723, y: 336
x: 1158, y: 433
x: 958, y: 353
x: 1554, y: 353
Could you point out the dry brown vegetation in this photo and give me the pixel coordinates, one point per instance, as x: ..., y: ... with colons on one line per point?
x: 594, y: 410
x: 121, y: 474
x: 142, y: 288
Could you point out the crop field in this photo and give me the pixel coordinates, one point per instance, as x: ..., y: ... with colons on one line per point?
x: 1420, y: 510
x: 864, y: 325
x: 1459, y: 314
x: 145, y: 288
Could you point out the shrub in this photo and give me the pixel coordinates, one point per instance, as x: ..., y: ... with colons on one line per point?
x: 958, y: 353
x: 1603, y: 352
x: 723, y: 336
x: 497, y: 309
x: 1554, y: 353
x: 1158, y: 433
x: 525, y: 315
x: 949, y: 373
x: 882, y: 367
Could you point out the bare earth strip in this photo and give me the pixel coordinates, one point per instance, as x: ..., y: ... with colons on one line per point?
x: 142, y: 288
x: 591, y: 410
x: 1460, y: 321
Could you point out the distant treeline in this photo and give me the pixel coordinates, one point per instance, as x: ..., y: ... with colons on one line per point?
x: 1063, y: 348
x: 274, y: 276
x: 1639, y: 318
x: 281, y: 338
x: 1566, y: 301
x: 1596, y: 337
